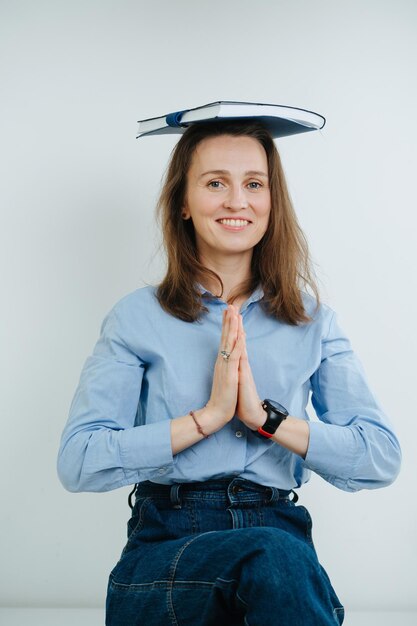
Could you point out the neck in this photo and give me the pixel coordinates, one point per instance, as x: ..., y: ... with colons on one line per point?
x: 233, y: 271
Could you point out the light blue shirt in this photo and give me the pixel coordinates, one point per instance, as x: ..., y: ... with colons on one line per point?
x: 149, y: 367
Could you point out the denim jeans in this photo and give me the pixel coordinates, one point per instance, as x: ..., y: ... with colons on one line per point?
x: 227, y: 552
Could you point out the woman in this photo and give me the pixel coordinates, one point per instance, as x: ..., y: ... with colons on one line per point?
x: 196, y: 393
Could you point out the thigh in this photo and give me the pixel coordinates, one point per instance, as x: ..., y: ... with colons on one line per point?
x: 194, y: 566
x: 142, y: 586
x: 196, y: 580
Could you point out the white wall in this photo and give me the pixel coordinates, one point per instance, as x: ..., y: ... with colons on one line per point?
x: 77, y: 233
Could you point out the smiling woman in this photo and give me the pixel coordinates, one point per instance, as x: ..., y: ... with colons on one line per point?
x: 218, y: 173
x: 229, y: 213
x: 177, y: 401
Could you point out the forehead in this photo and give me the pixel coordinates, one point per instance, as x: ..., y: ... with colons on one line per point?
x: 229, y: 152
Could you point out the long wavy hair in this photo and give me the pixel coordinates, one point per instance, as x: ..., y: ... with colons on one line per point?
x: 280, y: 261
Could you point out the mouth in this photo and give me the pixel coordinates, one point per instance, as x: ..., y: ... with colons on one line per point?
x: 234, y: 224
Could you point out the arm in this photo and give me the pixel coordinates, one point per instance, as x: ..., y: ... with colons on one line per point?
x: 353, y: 445
x: 101, y: 448
x: 223, y: 398
x: 293, y: 432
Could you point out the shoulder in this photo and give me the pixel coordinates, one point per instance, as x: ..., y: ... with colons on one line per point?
x: 135, y: 308
x: 321, y: 315
x: 142, y: 299
x: 134, y: 319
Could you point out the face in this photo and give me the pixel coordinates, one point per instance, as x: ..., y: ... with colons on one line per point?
x: 228, y: 197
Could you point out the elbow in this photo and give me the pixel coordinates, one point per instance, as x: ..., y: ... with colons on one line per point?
x: 68, y: 482
x: 380, y: 464
x: 83, y: 466
x: 392, y: 466
x: 68, y: 474
x: 71, y: 464
x: 387, y: 459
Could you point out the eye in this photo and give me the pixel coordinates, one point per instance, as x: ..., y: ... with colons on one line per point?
x: 254, y: 183
x: 214, y: 184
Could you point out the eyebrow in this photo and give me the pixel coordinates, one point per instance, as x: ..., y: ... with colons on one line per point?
x: 222, y: 172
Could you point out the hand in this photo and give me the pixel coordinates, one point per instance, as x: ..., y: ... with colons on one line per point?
x: 249, y: 407
x: 221, y: 406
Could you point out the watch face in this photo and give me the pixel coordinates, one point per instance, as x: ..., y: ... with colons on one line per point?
x: 278, y: 407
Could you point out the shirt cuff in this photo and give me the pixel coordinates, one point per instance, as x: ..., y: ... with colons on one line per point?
x: 146, y: 447
x: 332, y: 450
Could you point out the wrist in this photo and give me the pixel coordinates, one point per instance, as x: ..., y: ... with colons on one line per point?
x: 275, y: 414
x: 294, y: 434
x: 257, y: 417
x: 208, y: 421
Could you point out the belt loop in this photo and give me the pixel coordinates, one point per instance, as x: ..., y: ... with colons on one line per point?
x: 295, y: 496
x: 274, y: 494
x: 130, y: 496
x: 174, y: 495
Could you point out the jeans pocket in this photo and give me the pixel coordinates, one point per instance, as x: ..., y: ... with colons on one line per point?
x: 293, y: 518
x: 136, y: 521
x: 308, y: 523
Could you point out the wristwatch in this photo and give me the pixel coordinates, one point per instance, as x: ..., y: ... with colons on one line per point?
x: 276, y: 414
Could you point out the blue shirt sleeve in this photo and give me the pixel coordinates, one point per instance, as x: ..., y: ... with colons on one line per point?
x: 101, y: 448
x: 353, y: 445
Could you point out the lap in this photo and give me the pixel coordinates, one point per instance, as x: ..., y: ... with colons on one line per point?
x: 200, y: 563
x: 205, y: 556
x: 206, y: 578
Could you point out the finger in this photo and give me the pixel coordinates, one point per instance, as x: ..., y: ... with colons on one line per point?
x: 241, y: 329
x: 241, y: 346
x: 240, y: 334
x: 238, y: 350
x: 243, y: 333
x: 233, y: 331
x: 225, y: 330
x: 229, y: 336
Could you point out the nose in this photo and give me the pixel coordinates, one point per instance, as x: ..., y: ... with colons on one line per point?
x: 236, y: 198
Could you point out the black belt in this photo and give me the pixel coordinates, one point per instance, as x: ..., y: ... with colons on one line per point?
x: 232, y: 486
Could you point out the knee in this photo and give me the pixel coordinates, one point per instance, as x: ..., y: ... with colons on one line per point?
x: 280, y: 546
x: 276, y: 558
x: 283, y: 573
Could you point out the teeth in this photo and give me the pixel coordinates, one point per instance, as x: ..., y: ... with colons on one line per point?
x: 235, y: 223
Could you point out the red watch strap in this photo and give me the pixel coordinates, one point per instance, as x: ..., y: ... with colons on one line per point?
x: 264, y: 433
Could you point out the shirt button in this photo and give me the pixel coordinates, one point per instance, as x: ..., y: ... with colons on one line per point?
x: 162, y: 470
x: 239, y: 434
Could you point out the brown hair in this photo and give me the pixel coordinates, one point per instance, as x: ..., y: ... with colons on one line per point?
x: 280, y: 261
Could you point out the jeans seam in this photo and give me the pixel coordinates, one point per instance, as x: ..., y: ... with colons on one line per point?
x: 141, y: 515
x: 171, y: 574
x: 239, y: 597
x: 309, y: 523
x: 139, y: 525
x: 227, y: 581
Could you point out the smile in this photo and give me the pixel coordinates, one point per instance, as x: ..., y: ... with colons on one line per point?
x: 231, y: 223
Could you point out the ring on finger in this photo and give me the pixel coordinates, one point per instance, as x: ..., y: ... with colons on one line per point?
x: 225, y: 355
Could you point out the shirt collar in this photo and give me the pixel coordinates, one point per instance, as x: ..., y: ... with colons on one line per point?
x: 256, y: 295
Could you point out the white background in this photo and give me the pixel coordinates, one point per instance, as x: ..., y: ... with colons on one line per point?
x: 77, y: 233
